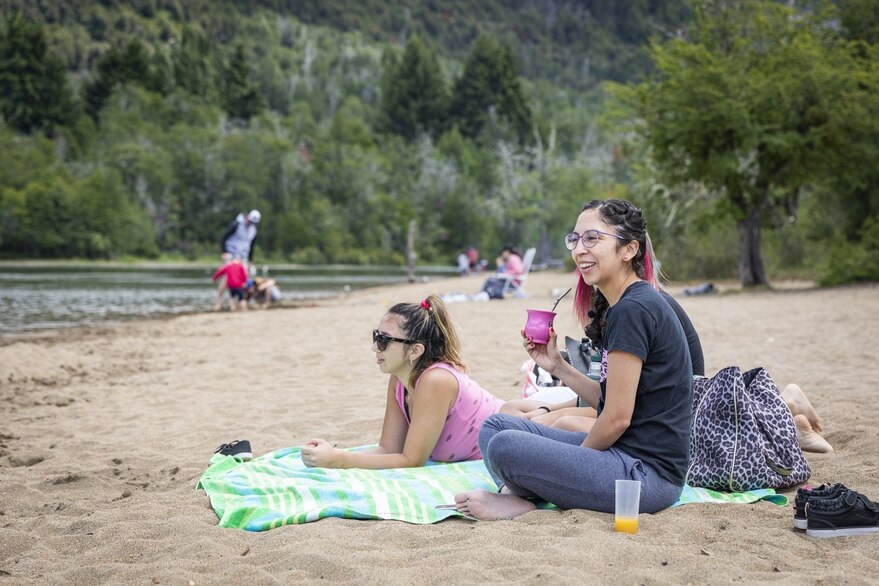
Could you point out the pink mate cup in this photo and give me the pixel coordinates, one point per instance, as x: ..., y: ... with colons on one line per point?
x: 538, y: 324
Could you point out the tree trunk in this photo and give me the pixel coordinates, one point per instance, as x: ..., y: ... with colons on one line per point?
x: 410, y: 251
x: 750, y: 260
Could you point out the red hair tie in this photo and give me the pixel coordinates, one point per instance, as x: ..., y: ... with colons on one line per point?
x: 425, y: 304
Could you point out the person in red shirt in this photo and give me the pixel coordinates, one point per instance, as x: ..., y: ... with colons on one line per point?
x: 236, y: 281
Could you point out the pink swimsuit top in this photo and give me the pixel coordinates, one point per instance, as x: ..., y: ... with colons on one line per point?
x: 460, y: 435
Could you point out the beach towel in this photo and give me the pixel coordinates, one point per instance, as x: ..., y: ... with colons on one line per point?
x: 694, y: 494
x: 278, y: 489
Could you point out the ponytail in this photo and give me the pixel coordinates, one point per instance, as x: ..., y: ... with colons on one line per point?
x: 429, y: 324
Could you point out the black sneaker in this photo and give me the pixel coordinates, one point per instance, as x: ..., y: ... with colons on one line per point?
x: 805, y: 493
x: 850, y: 513
x: 239, y: 449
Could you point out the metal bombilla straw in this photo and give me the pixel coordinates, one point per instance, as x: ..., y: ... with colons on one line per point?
x: 554, y: 305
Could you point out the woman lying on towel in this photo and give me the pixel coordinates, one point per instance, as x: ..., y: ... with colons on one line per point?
x: 434, y: 410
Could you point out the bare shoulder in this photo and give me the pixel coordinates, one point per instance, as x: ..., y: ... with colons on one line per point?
x: 439, y: 379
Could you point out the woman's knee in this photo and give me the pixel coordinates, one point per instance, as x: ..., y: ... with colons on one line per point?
x: 501, y: 445
x: 493, y: 425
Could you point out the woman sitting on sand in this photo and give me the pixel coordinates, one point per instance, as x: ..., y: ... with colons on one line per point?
x: 433, y: 410
x: 572, y: 417
x: 643, y: 405
x: 569, y: 416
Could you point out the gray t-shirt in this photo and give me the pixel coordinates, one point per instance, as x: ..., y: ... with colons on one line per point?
x: 642, y: 323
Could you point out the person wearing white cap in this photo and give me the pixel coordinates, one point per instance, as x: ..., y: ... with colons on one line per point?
x: 237, y: 242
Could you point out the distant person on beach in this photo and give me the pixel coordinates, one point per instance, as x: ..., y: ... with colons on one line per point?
x: 237, y: 242
x: 463, y: 264
x: 507, y: 277
x: 643, y: 407
x: 433, y: 408
x: 510, y: 263
x: 264, y: 291
x: 236, y: 280
x: 473, y: 258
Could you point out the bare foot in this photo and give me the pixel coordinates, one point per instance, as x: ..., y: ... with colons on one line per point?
x: 799, y: 404
x: 490, y: 506
x: 809, y: 439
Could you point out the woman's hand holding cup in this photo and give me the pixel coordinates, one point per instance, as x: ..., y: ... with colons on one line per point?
x: 546, y: 356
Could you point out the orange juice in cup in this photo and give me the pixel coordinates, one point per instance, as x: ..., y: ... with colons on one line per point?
x: 628, y: 499
x: 626, y: 524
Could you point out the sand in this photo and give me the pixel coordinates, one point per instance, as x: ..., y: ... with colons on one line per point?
x: 105, y: 432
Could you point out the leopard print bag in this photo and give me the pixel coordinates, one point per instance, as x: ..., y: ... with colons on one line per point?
x: 742, y: 436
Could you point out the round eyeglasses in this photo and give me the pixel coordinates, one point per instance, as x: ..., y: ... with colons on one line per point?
x: 589, y: 238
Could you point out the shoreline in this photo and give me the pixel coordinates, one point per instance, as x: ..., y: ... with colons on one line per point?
x: 105, y: 433
x: 211, y: 264
x: 48, y: 296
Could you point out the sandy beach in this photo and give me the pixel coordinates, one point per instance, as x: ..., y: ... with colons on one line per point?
x: 105, y: 432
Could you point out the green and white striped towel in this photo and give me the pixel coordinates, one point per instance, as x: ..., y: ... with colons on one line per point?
x: 278, y: 489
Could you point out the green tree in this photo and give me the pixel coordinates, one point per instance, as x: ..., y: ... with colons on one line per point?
x: 193, y: 64
x: 489, y: 90
x: 860, y: 20
x: 851, y: 162
x: 742, y: 107
x: 241, y: 98
x: 415, y: 99
x: 116, y: 68
x: 34, y: 92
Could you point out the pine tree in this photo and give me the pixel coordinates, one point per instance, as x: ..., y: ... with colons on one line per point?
x: 34, y: 91
x: 193, y: 70
x: 415, y: 99
x: 241, y: 98
x: 489, y: 89
x: 116, y: 68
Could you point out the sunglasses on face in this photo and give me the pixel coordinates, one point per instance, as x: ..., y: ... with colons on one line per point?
x: 589, y: 238
x: 381, y: 340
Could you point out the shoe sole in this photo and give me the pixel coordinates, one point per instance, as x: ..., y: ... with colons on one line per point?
x: 842, y: 532
x: 801, y: 523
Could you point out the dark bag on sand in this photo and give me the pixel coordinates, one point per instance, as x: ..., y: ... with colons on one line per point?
x: 494, y: 286
x: 743, y: 436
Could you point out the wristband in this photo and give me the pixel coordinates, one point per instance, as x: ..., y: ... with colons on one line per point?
x: 545, y: 407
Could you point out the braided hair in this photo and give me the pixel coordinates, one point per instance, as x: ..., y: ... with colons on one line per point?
x: 590, y: 305
x: 430, y: 324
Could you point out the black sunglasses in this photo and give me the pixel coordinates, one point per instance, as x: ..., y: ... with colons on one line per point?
x: 381, y: 340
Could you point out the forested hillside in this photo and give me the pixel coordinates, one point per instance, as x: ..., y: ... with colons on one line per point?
x: 156, y: 121
x: 141, y: 128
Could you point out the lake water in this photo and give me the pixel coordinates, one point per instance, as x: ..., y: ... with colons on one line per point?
x: 39, y: 297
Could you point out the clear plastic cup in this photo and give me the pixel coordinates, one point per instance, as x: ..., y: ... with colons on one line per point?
x: 537, y: 325
x: 628, y: 498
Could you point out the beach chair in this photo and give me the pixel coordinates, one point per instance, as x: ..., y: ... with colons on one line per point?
x: 518, y: 290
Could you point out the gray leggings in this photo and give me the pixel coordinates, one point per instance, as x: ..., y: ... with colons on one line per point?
x: 536, y: 461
